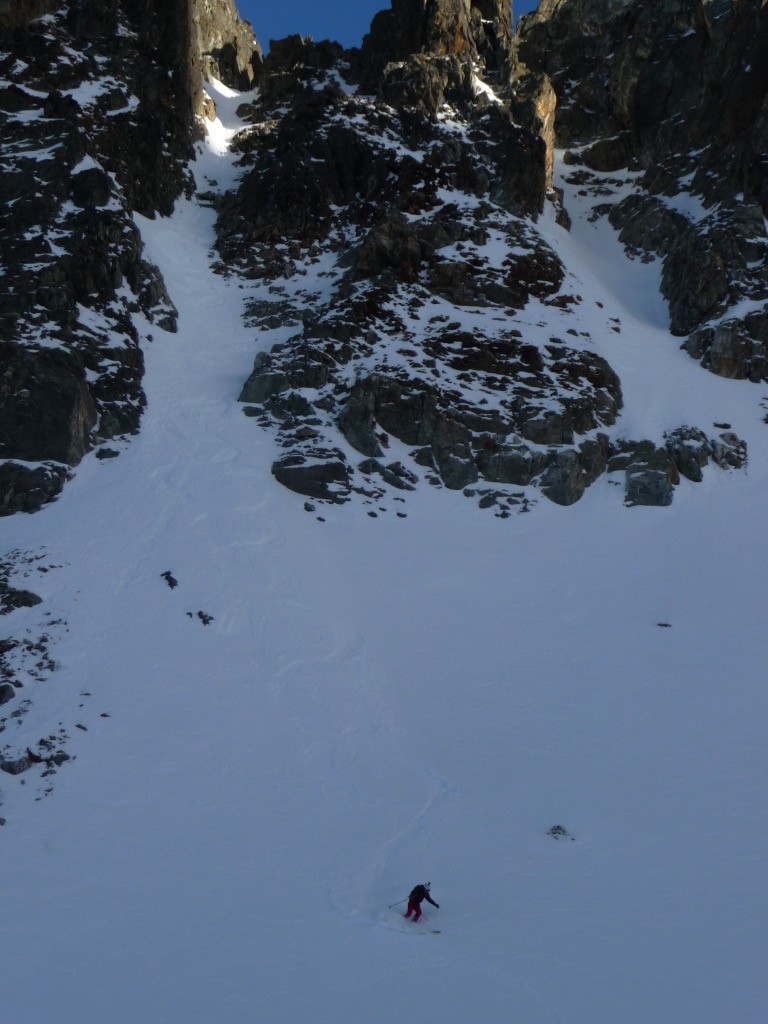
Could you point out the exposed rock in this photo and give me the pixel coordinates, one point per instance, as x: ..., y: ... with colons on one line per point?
x: 357, y: 422
x: 12, y: 598
x: 25, y: 488
x: 7, y: 693
x: 491, y: 26
x: 298, y: 178
x: 729, y: 451
x: 98, y: 116
x: 297, y: 55
x: 506, y: 463
x: 559, y: 832
x: 328, y: 479
x: 170, y: 579
x: 676, y: 92
x: 90, y: 187
x: 735, y: 348
x: 48, y: 412
x: 690, y: 449
x: 367, y: 186
x: 696, y: 281
x: 15, y: 14
x: 646, y: 224
x: 402, y: 196
x: 475, y: 29
x: 594, y: 457
x: 394, y: 243
x: 289, y: 67
x: 549, y: 426
x: 262, y: 383
x: 651, y: 475
x: 520, y: 157
x: 394, y: 474
x: 427, y: 82
x: 99, y: 105
x: 533, y: 103
x: 564, y: 480
x: 608, y: 154
x: 16, y: 766
x: 228, y: 48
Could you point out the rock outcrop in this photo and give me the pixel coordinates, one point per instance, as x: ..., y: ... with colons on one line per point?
x: 228, y: 49
x: 473, y: 30
x: 679, y: 92
x: 423, y: 233
x: 387, y: 207
x: 427, y: 53
x: 393, y: 236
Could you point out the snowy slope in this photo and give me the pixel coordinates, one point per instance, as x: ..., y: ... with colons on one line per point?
x: 378, y: 702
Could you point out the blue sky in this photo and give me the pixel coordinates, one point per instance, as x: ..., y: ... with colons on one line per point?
x: 346, y: 21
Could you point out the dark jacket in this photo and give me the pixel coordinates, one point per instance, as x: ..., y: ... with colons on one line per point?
x: 419, y: 893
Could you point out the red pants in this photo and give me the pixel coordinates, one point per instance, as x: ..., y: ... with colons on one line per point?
x: 413, y: 908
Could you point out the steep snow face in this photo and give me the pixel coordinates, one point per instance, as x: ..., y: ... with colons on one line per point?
x: 326, y: 709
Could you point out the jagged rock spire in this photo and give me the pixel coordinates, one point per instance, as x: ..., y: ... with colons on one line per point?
x: 227, y: 45
x: 477, y: 29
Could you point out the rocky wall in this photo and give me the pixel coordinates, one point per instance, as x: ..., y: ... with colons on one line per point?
x: 679, y: 91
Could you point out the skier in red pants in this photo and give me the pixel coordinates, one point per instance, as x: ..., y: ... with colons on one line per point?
x: 417, y: 894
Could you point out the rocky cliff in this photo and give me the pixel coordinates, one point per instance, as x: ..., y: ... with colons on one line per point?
x: 98, y: 105
x: 480, y: 30
x: 389, y: 205
x: 679, y: 92
x: 416, y: 204
x: 229, y: 50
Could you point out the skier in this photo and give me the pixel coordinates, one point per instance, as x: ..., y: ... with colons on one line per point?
x: 417, y: 894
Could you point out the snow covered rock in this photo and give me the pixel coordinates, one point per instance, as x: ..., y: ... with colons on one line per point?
x: 650, y: 477
x: 388, y: 214
x: 729, y: 451
x: 327, y: 479
x: 16, y: 766
x: 25, y: 488
x: 12, y: 597
x: 675, y: 92
x: 735, y: 348
x: 478, y: 30
x: 97, y: 109
x: 415, y: 214
x: 690, y: 448
x: 72, y: 262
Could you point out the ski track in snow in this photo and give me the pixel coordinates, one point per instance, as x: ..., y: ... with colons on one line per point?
x: 381, y: 702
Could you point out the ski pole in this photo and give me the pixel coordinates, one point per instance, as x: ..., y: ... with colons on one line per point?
x: 398, y: 902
